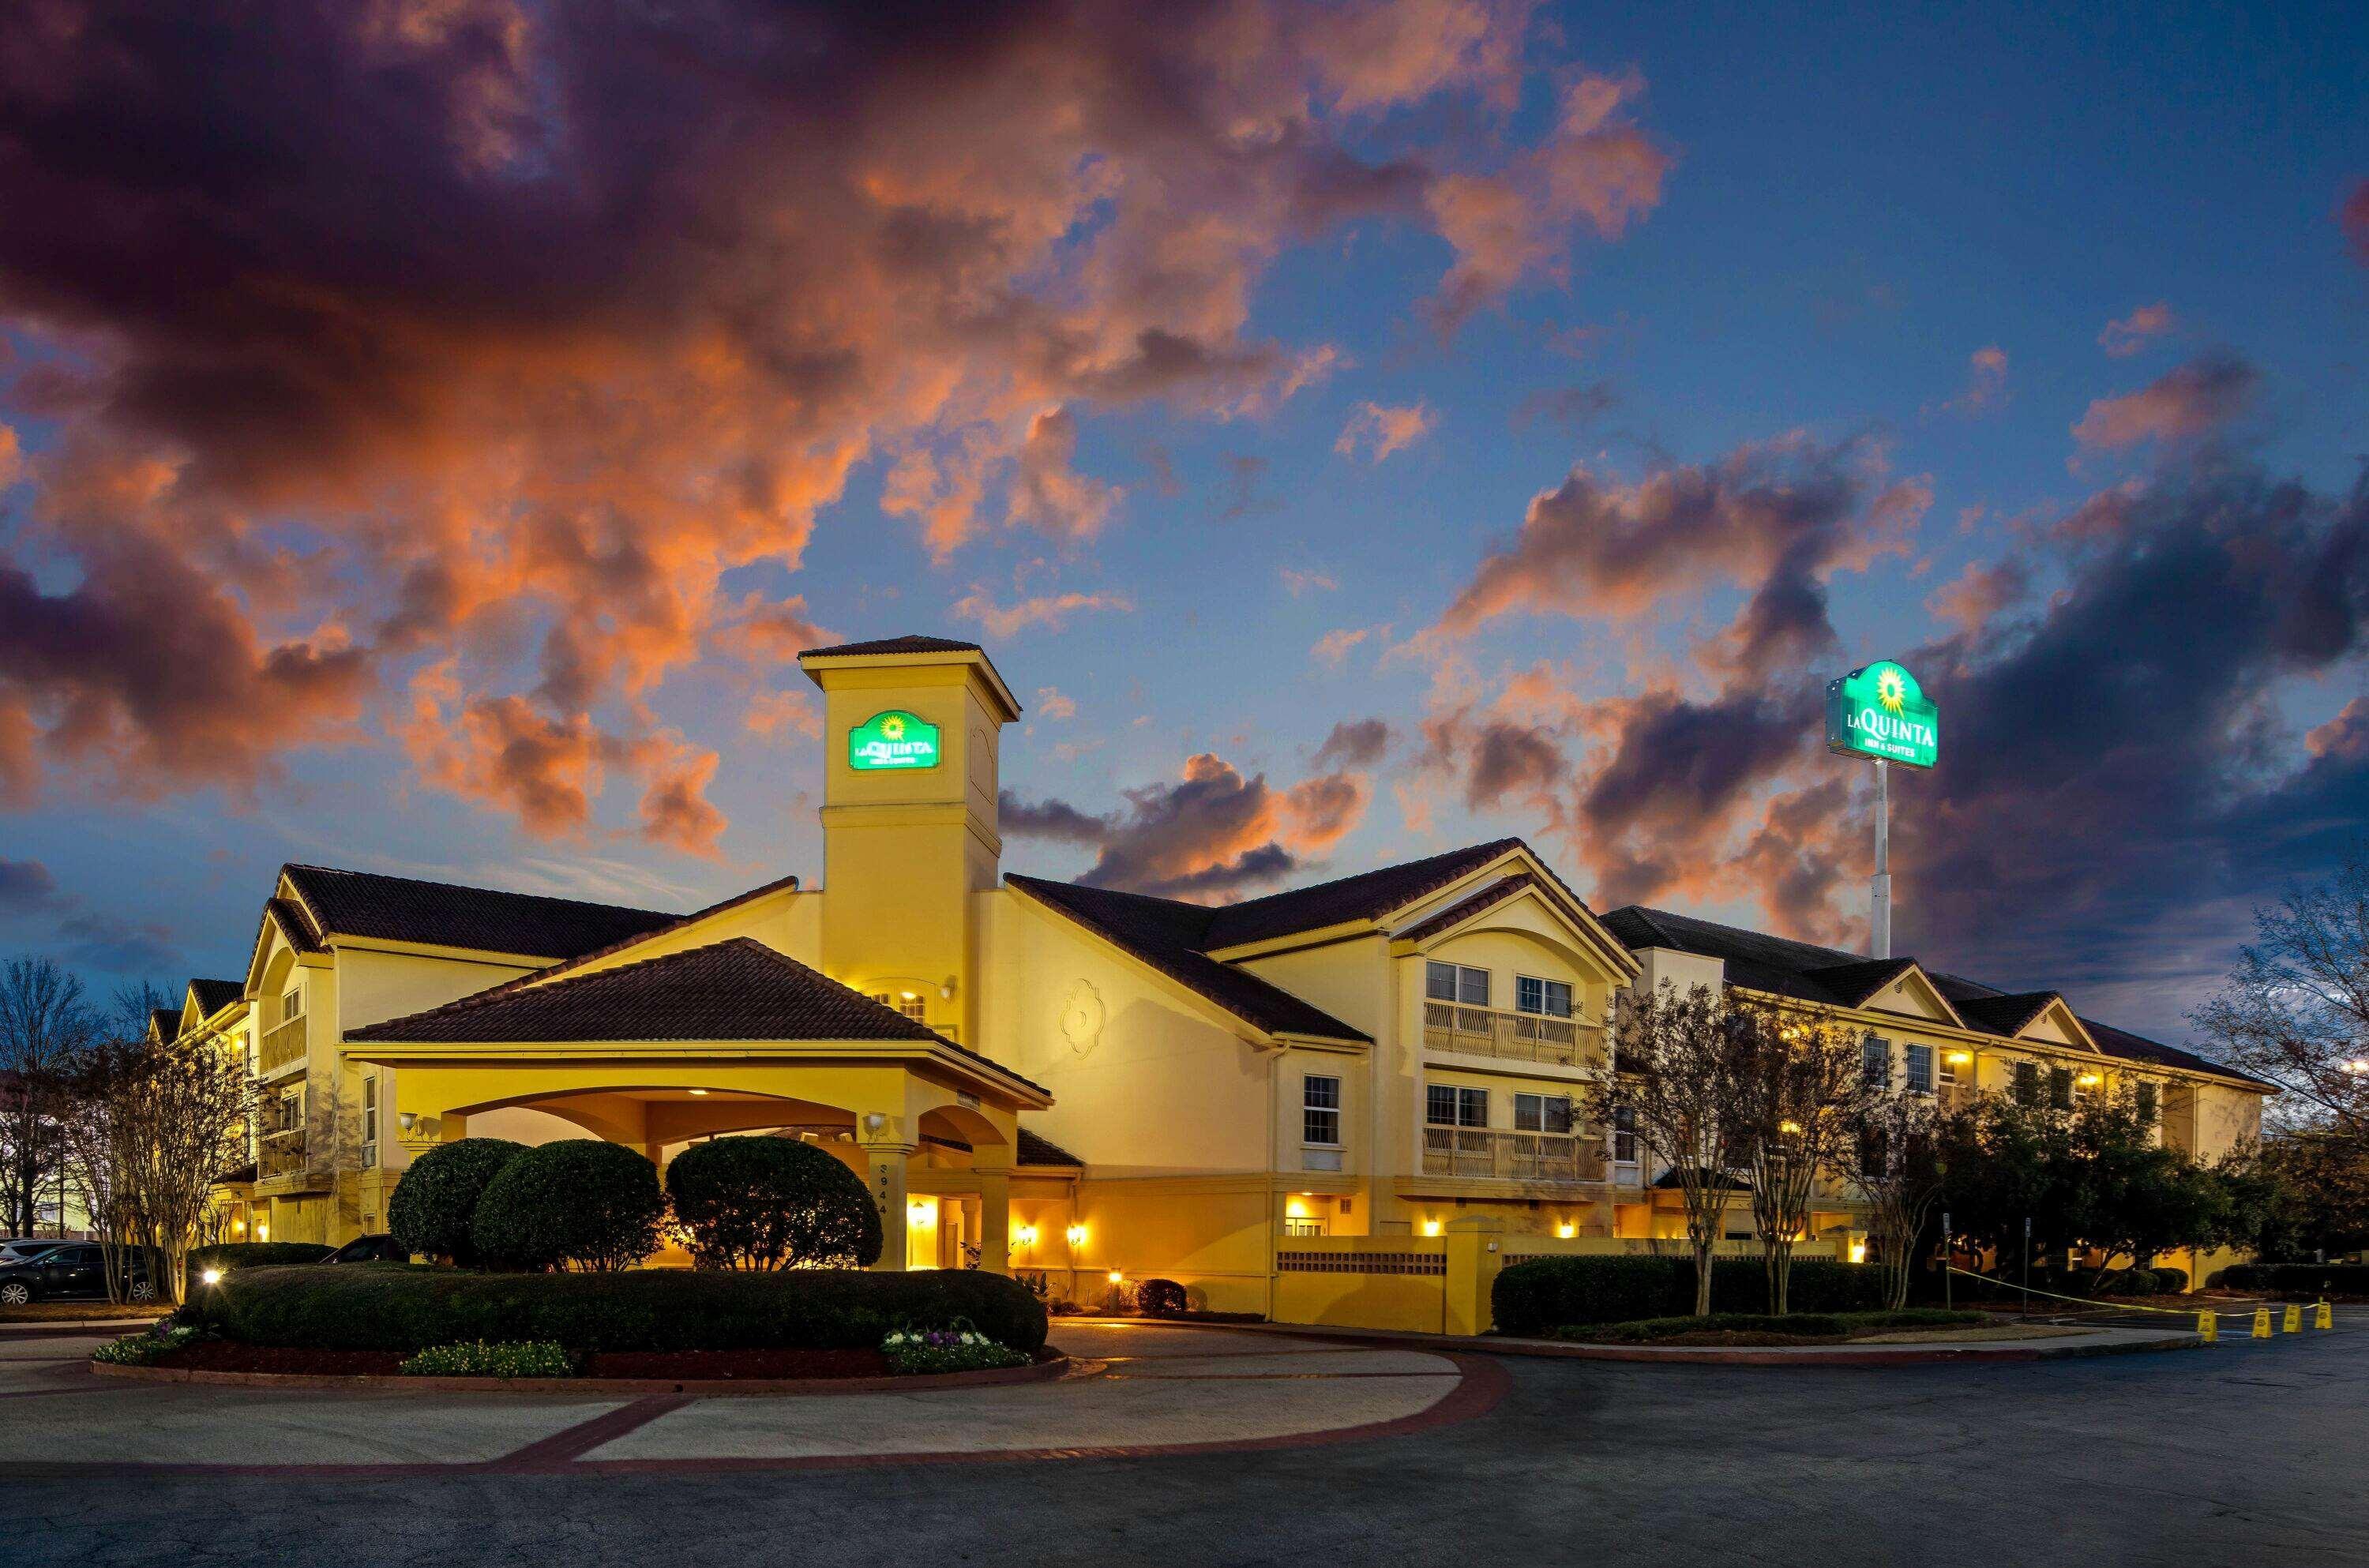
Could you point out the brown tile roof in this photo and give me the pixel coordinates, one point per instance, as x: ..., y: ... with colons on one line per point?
x: 1861, y: 980
x: 215, y: 995
x: 166, y: 1022
x: 1369, y: 895
x: 1168, y: 937
x: 909, y: 643
x: 1034, y: 1151
x: 1782, y: 967
x: 736, y: 989
x: 294, y: 922
x: 1464, y: 909
x: 403, y: 909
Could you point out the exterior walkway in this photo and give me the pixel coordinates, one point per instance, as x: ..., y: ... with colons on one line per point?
x: 1148, y: 1390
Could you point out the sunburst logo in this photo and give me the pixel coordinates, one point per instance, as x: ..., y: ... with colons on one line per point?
x: 893, y: 728
x: 1892, y: 691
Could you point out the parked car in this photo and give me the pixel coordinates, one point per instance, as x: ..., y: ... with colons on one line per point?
x: 74, y: 1269
x: 370, y: 1249
x: 23, y: 1249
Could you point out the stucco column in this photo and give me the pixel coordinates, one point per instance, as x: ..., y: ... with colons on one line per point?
x: 1473, y: 1257
x: 994, y: 1217
x: 888, y: 1164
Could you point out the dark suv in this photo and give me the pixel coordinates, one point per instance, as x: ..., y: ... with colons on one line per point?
x: 370, y: 1249
x: 77, y: 1268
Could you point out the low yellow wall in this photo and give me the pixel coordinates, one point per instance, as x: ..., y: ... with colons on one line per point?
x: 1381, y: 1282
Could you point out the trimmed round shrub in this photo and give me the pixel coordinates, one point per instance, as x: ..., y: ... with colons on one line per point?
x: 435, y: 1202
x: 228, y: 1256
x: 2140, y: 1282
x: 1159, y: 1299
x: 2169, y: 1281
x: 2307, y: 1280
x: 2114, y: 1282
x: 407, y: 1309
x: 581, y: 1203
x: 762, y: 1203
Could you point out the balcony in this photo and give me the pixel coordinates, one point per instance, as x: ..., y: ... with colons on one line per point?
x: 284, y: 1045
x: 1517, y: 1036
x: 1538, y: 1159
x: 282, y: 1165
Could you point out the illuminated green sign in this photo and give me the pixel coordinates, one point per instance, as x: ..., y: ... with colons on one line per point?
x: 893, y: 739
x: 1881, y: 712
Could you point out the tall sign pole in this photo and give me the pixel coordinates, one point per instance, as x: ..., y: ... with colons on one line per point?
x: 1880, y: 715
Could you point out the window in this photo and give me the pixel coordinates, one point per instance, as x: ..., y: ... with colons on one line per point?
x: 913, y: 1004
x: 1551, y: 998
x: 2060, y: 1088
x: 2148, y: 1105
x: 1920, y: 1068
x: 1949, y: 1070
x: 1624, y: 1135
x: 1300, y: 1225
x: 1875, y: 1061
x: 1456, y: 982
x: 1542, y: 1113
x: 1872, y: 1153
x: 293, y: 1005
x: 1320, y: 1114
x: 1448, y: 1106
x: 370, y: 1122
x: 2027, y: 1084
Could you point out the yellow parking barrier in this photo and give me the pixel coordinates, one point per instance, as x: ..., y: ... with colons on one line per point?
x: 2261, y: 1322
x: 2208, y: 1327
x: 2293, y: 1322
x: 2323, y: 1316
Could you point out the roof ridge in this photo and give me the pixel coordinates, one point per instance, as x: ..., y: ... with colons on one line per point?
x: 1498, y: 846
x: 474, y: 888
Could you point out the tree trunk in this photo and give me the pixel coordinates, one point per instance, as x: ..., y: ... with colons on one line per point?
x: 1780, y: 1275
x: 1702, y: 1277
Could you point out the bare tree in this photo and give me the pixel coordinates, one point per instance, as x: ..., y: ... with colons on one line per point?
x: 2296, y: 1010
x: 1674, y: 1079
x: 1801, y: 1090
x: 44, y: 1026
x: 1899, y: 1173
x: 152, y: 1125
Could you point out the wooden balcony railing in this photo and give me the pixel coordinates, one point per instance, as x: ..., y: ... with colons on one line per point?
x: 280, y: 1154
x: 1485, y: 1154
x: 1522, y: 1036
x: 284, y: 1045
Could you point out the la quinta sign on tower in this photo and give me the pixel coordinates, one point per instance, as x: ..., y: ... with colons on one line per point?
x: 1881, y: 713
x: 892, y: 740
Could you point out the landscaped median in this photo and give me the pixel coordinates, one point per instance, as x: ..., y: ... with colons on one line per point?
x: 662, y: 1328
x: 1907, y: 1327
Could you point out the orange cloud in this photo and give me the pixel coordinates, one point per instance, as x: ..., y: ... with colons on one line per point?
x: 1382, y: 431
x: 1049, y: 611
x: 2126, y: 337
x: 2192, y: 400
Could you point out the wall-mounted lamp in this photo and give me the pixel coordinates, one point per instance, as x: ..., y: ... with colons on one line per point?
x: 2090, y: 1080
x: 1958, y: 1058
x: 1025, y: 1234
x: 946, y: 988
x: 1431, y: 1227
x: 1115, y: 1276
x: 1566, y: 1229
x: 873, y: 1121
x: 1077, y: 1235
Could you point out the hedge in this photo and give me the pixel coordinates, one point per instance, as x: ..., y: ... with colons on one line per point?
x: 1549, y: 1293
x: 408, y: 1309
x: 1806, y: 1325
x: 2169, y: 1281
x: 228, y: 1256
x: 2299, y: 1278
x: 436, y: 1200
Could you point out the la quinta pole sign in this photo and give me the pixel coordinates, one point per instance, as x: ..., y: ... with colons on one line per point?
x: 892, y: 740
x: 1881, y: 714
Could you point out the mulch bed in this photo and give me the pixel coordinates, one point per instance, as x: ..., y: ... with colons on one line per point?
x: 228, y: 1356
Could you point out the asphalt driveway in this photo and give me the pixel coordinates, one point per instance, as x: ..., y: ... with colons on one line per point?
x: 2239, y: 1453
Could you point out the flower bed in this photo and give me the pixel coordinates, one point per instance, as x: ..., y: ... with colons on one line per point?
x: 946, y: 1350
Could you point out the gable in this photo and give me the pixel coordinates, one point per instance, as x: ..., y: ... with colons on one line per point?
x: 1914, y: 996
x: 2057, y: 1025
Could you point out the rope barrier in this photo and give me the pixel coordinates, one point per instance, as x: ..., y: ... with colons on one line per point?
x: 2207, y: 1318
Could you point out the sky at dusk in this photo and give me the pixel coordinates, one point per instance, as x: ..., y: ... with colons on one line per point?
x: 430, y: 429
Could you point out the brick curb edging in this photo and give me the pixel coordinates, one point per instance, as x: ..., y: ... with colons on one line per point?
x: 1686, y: 1355
x: 1055, y: 1370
